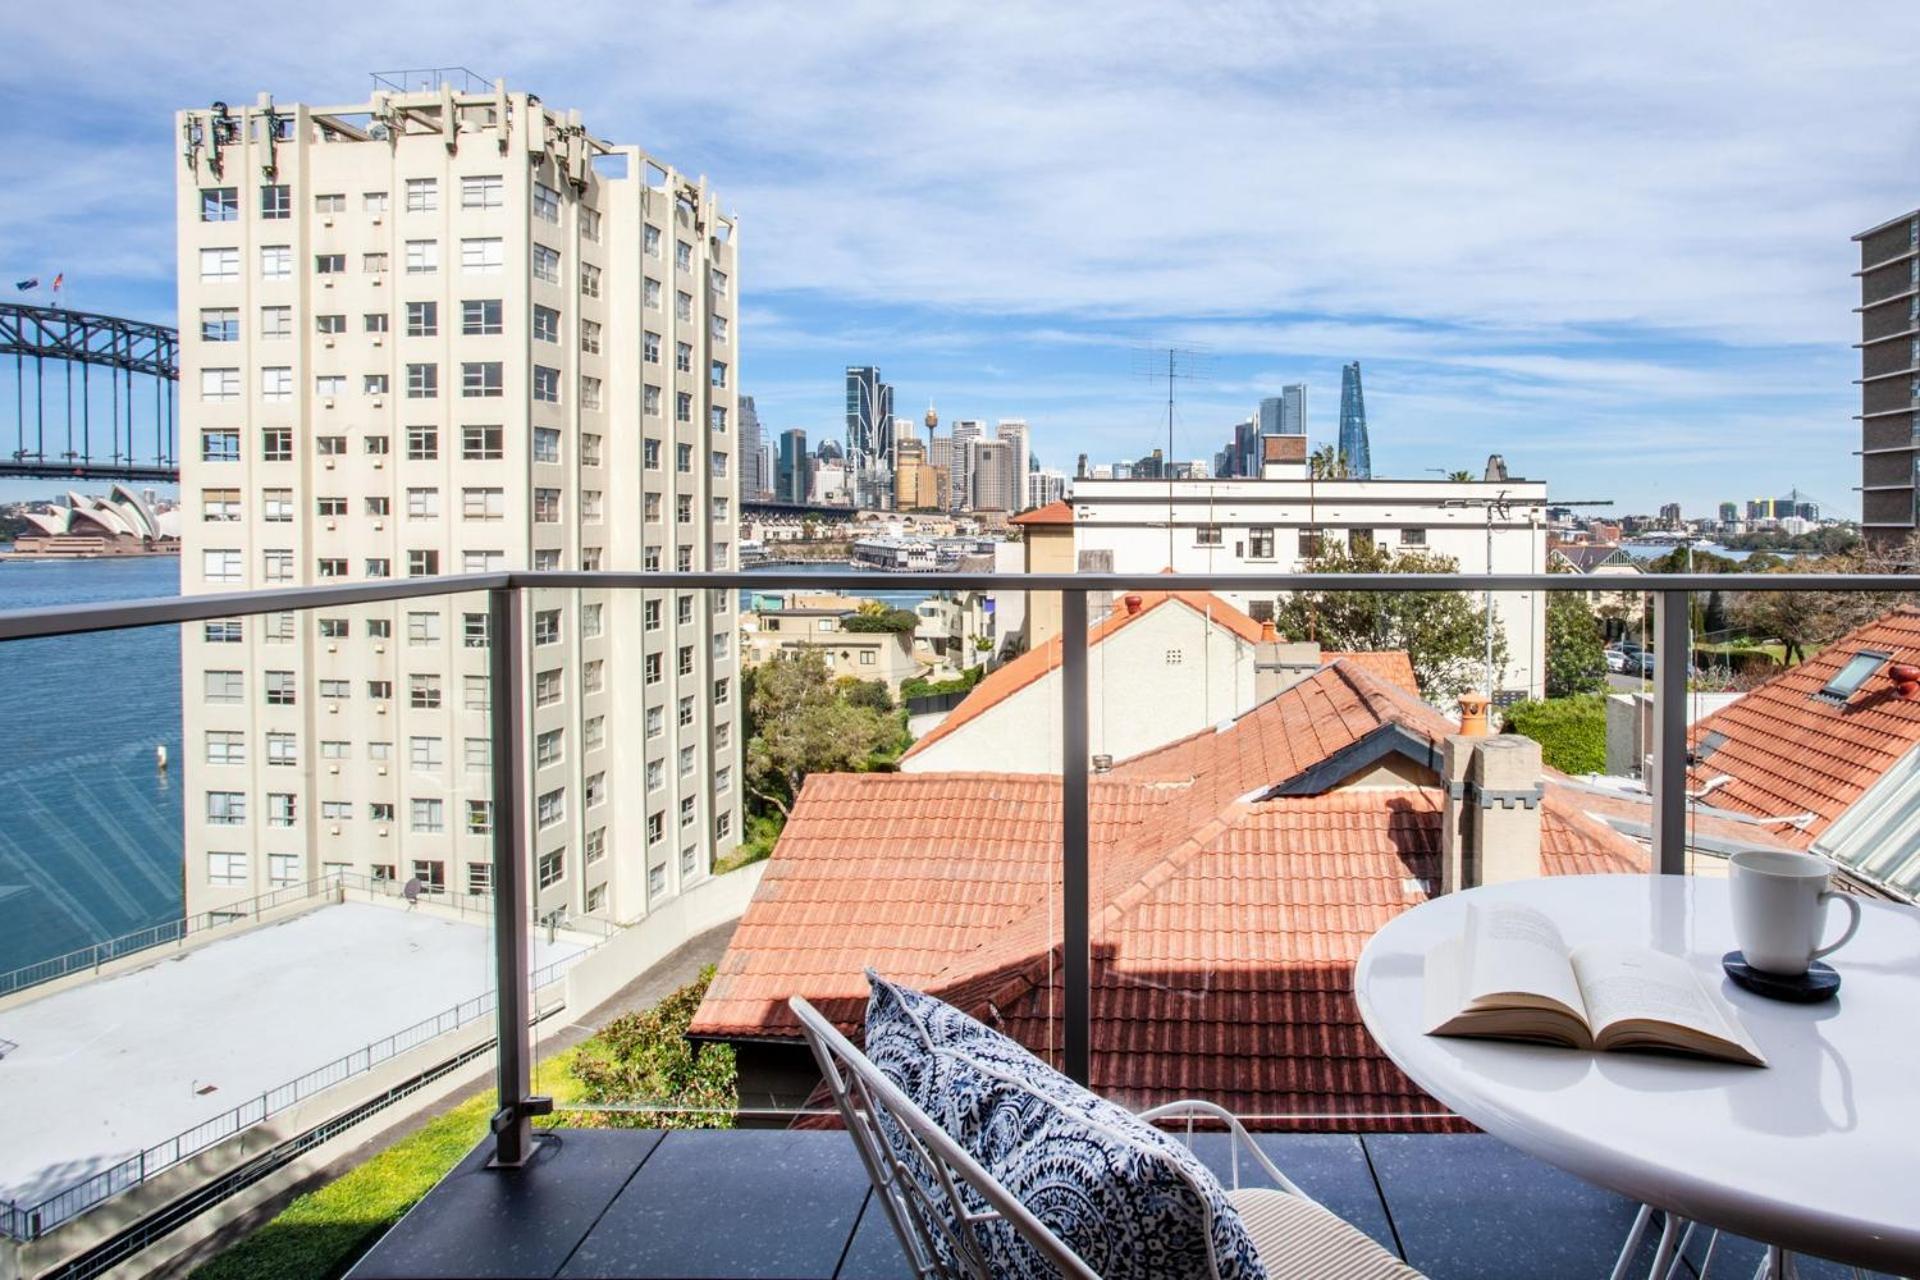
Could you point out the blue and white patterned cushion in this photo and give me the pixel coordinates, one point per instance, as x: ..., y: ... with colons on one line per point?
x: 1131, y: 1201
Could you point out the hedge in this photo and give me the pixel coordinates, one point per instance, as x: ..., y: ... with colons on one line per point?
x: 1572, y: 732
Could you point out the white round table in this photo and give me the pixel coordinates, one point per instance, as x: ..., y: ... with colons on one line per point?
x: 1818, y: 1153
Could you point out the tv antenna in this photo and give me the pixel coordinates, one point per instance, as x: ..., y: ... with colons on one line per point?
x: 1175, y: 365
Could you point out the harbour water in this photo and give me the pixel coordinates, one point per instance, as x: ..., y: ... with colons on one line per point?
x: 90, y: 828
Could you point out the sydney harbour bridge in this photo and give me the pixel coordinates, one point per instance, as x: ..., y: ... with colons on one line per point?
x: 93, y: 396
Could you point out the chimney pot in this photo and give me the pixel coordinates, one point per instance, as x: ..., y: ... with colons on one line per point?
x: 1269, y: 634
x: 1133, y: 604
x: 1906, y: 679
x: 1473, y: 714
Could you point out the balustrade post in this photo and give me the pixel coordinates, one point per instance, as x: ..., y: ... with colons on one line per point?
x: 1668, y: 774
x: 1076, y: 964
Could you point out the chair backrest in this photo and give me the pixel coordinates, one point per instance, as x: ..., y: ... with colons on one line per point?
x: 918, y: 1170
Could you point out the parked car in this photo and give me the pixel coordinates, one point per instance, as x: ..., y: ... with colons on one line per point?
x: 1616, y: 659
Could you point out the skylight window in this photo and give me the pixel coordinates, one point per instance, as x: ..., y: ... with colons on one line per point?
x: 1850, y: 677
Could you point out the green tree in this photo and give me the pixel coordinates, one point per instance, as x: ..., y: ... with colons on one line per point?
x: 644, y: 1059
x: 1576, y: 662
x: 1442, y: 632
x: 800, y: 724
x: 1460, y: 477
x: 1327, y: 463
x: 1714, y: 621
x: 866, y: 693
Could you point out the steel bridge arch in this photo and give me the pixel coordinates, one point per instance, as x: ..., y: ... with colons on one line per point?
x: 128, y: 350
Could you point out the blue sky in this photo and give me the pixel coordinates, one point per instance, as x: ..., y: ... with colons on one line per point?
x: 1608, y: 241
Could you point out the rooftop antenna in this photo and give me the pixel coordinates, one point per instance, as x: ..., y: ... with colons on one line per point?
x: 1175, y: 364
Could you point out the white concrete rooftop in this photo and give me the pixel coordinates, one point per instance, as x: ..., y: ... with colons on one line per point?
x: 110, y: 1067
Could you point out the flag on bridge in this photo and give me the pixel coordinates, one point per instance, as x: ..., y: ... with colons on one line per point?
x: 59, y: 279
x: 31, y: 282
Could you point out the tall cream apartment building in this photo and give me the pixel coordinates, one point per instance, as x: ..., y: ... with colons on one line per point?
x: 436, y: 333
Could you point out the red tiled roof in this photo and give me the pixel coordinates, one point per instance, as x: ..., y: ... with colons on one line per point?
x: 1003, y: 682
x: 1056, y: 512
x: 1227, y: 931
x: 1792, y: 753
x: 1391, y: 665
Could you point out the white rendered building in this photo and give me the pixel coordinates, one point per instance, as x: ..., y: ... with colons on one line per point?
x: 1267, y: 524
x: 436, y: 333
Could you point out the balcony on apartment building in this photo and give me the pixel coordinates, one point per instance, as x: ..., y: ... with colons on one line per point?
x: 1151, y: 849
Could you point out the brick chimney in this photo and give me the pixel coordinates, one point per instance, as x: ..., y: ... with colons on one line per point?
x: 1490, y: 820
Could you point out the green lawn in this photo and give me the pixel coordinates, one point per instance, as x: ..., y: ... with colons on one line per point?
x: 324, y: 1232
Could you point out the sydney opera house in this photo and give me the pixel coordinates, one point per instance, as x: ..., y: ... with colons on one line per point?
x: 120, y: 524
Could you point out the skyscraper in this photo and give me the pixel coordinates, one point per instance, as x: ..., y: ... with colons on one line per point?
x: 960, y: 479
x: 753, y: 483
x: 1353, y: 424
x: 1269, y: 417
x: 794, y: 470
x: 1889, y: 501
x: 869, y: 435
x: 444, y: 349
x: 1293, y: 409
x: 992, y: 471
x: 1019, y: 459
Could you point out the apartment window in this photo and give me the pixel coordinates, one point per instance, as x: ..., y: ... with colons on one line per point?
x: 589, y: 280
x: 479, y: 874
x: 719, y: 328
x: 656, y: 828
x: 225, y: 746
x: 723, y: 778
x: 650, y: 293
x: 718, y: 280
x: 650, y: 405
x: 547, y: 748
x: 546, y: 203
x: 220, y: 446
x: 650, y: 240
x: 333, y: 749
x: 686, y: 711
x: 682, y: 408
x: 423, y: 195
x: 280, y: 691
x: 373, y: 384
x: 224, y: 631
x: 281, y: 750
x: 686, y: 762
x: 377, y: 506
x: 473, y: 630
x: 276, y: 202
x: 1207, y: 535
x: 480, y: 444
x: 480, y: 317
x: 483, y: 504
x: 1260, y: 543
x: 336, y: 690
x: 546, y: 264
x: 595, y: 789
x: 423, y: 381
x: 428, y: 817
x: 281, y: 809
x: 592, y: 506
x: 423, y: 564
x: 482, y: 255
x: 276, y: 322
x: 379, y: 567
x: 683, y: 559
x: 546, y: 448
x: 220, y: 324
x: 484, y: 191
x: 551, y: 808
x: 482, y: 561
x: 651, y: 453
x: 656, y: 722
x: 222, y: 565
x: 374, y: 321
x: 546, y: 688
x: 545, y: 558
x: 227, y: 870
x: 683, y: 306
x: 330, y: 264
x: 650, y: 347
x: 590, y: 337
x: 589, y: 392
x: 723, y: 687
x: 475, y: 692
x: 720, y: 553
x: 219, y: 384
x: 423, y: 627
x: 219, y: 266
x: 593, y: 676
x: 325, y: 506
x: 683, y: 356
x: 329, y: 386
x: 1413, y: 537
x: 424, y: 754
x: 651, y: 668
x: 276, y: 566
x: 276, y: 262
x: 279, y: 628
x: 423, y: 319
x: 546, y: 626
x: 226, y: 808
x: 219, y: 204
x: 683, y: 509
x: 718, y: 373
x: 423, y: 257
x: 593, y: 733
x: 552, y: 867
x: 481, y: 379
x: 219, y: 506
x: 594, y: 847
x: 687, y: 814
x: 423, y: 504
x: 546, y: 505
x: 683, y: 459
x: 423, y: 444
x: 479, y: 754
x: 546, y: 384
x: 373, y: 264
x: 479, y: 820
x: 722, y: 735
x: 683, y: 610
x: 590, y: 225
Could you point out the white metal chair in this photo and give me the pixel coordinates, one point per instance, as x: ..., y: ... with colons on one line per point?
x: 1296, y: 1237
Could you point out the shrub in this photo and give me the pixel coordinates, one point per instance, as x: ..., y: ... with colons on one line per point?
x: 918, y: 688
x: 1572, y: 732
x: 897, y: 621
x: 645, y: 1059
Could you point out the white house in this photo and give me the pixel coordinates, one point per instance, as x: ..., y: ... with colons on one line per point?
x: 1275, y: 521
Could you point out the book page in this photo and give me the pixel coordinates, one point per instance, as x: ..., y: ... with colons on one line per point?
x: 1511, y: 949
x: 1623, y: 982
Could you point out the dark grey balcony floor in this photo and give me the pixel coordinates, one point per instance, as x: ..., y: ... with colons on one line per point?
x: 796, y: 1206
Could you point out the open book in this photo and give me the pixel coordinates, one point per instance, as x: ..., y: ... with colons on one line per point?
x: 1510, y: 976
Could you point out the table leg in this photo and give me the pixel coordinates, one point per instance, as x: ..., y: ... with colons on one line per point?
x: 1664, y: 1255
x: 1635, y: 1234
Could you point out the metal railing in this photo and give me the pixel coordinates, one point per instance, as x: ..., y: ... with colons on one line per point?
x: 511, y: 873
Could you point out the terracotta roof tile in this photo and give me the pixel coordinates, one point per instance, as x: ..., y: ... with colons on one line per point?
x: 1391, y: 665
x: 1791, y: 753
x: 1226, y: 932
x: 1005, y: 681
x: 1056, y: 512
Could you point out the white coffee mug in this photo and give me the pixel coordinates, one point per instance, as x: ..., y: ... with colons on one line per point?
x: 1779, y: 909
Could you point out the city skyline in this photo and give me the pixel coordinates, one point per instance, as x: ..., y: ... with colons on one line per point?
x: 1578, y: 325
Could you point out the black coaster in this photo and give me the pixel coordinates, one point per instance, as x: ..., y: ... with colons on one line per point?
x: 1818, y: 983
